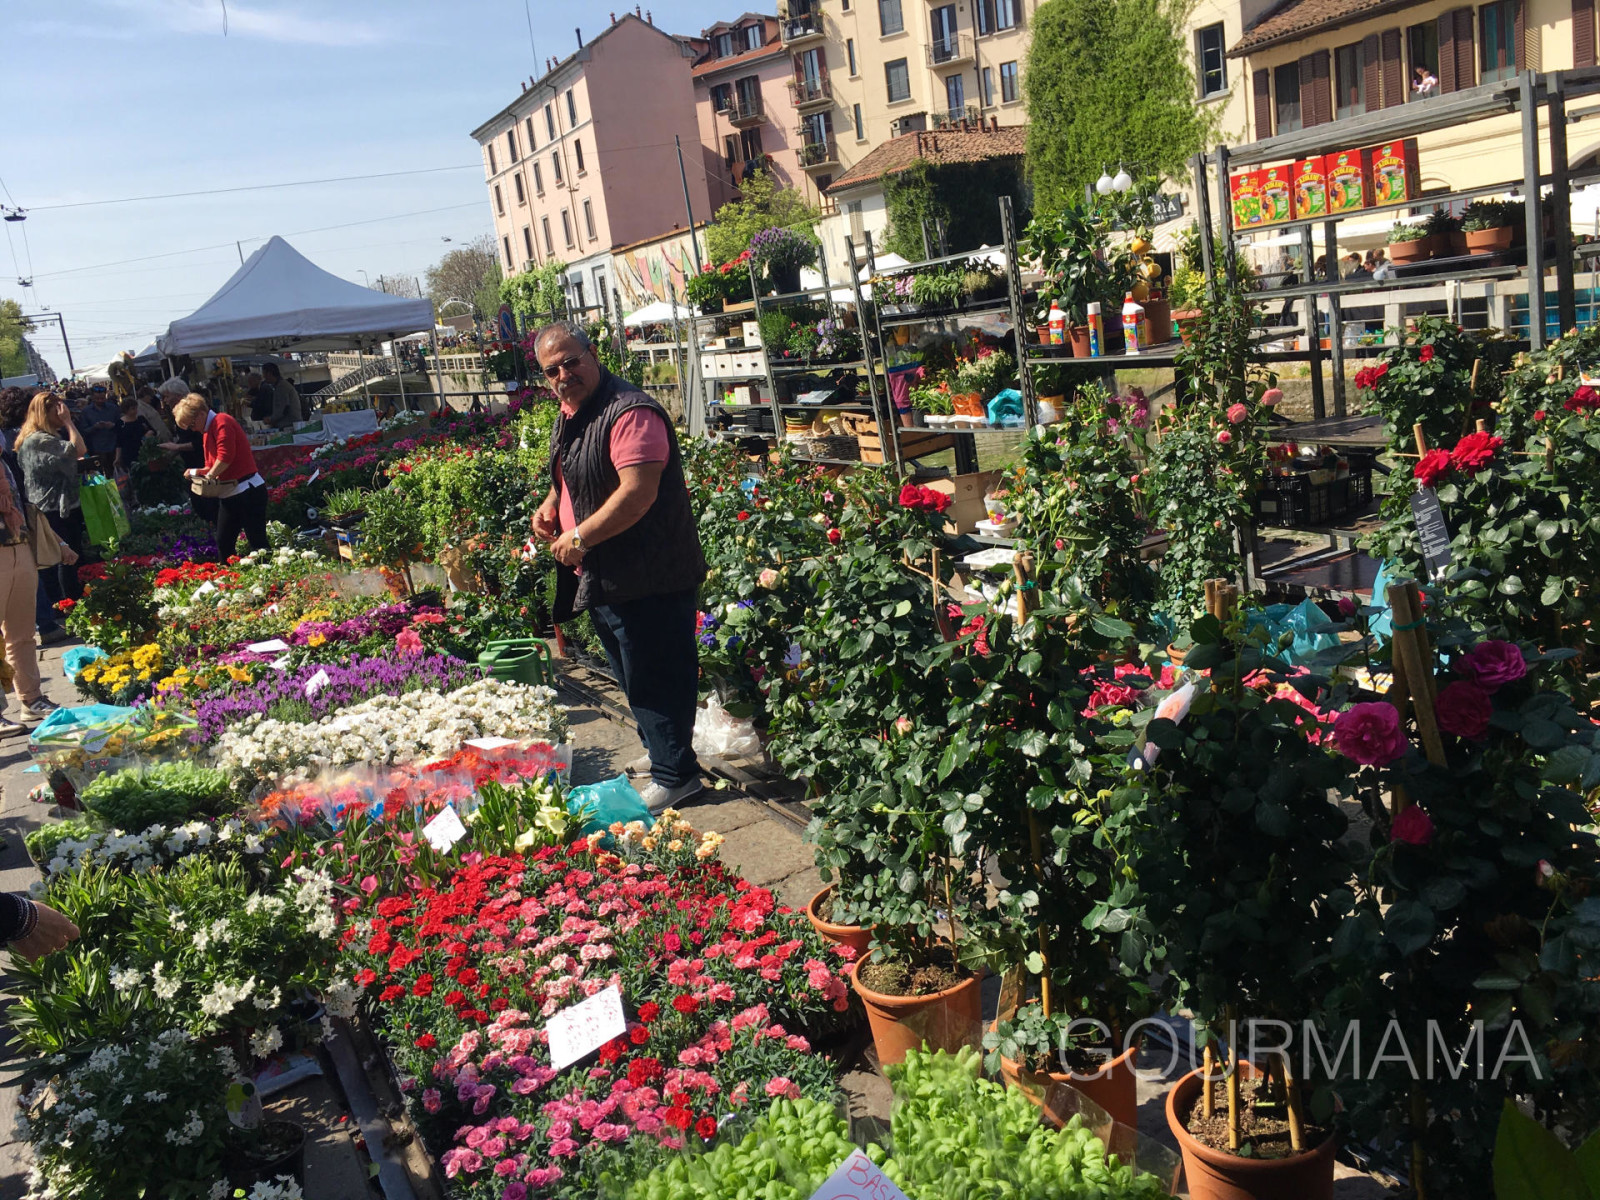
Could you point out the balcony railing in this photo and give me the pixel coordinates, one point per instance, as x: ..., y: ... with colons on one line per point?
x: 808, y: 93
x: 948, y: 51
x: 802, y: 27
x: 816, y: 154
x: 947, y: 117
x: 745, y: 111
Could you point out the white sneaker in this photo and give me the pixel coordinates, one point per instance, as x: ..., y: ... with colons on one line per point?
x: 639, y: 766
x: 658, y: 799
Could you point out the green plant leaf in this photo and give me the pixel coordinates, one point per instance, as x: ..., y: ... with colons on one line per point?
x: 1530, y: 1163
x: 1553, y: 586
x: 1409, y: 925
x: 1588, y: 1159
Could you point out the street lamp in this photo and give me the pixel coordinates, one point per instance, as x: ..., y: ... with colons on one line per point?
x: 1105, y: 183
x: 364, y: 278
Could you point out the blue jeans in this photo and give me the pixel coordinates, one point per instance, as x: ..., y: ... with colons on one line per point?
x: 650, y: 643
x: 45, y: 616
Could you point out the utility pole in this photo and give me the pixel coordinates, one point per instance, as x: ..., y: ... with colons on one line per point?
x: 687, y: 207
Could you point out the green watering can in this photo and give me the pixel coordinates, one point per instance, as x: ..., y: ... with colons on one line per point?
x: 518, y: 660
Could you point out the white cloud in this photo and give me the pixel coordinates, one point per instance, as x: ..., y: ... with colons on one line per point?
x: 280, y: 24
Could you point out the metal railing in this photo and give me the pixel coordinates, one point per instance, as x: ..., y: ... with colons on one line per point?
x: 818, y: 153
x: 954, y: 48
x: 946, y: 118
x: 803, y: 25
x: 806, y: 91
x: 745, y: 111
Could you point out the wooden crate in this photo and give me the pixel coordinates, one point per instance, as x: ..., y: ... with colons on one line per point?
x: 914, y: 443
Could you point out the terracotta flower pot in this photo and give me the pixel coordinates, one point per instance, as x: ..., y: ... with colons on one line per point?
x: 855, y: 936
x: 1158, y: 315
x: 1487, y: 241
x: 1114, y: 1087
x: 943, y: 1020
x: 1176, y: 654
x: 1412, y: 251
x: 1186, y: 320
x: 1216, y: 1175
x: 1078, y: 336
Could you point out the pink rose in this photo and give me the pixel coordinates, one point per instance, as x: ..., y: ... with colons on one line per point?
x: 1493, y: 665
x: 1463, y: 709
x: 1237, y: 414
x: 768, y: 578
x: 903, y: 725
x: 1271, y: 396
x: 1224, y: 437
x: 1413, y: 827
x: 1369, y: 733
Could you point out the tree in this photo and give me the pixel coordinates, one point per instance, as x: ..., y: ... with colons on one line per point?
x: 13, y: 327
x: 1109, y: 82
x: 486, y: 300
x: 763, y: 203
x: 462, y: 274
x: 962, y: 195
x: 536, y: 293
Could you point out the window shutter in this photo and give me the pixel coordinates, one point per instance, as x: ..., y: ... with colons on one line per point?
x: 1447, y: 53
x: 1466, y: 43
x: 1520, y: 39
x: 1394, y: 70
x: 1262, y: 84
x: 1318, y: 98
x: 1371, y: 73
x: 1583, y: 33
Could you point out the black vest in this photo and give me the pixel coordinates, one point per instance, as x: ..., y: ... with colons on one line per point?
x: 660, y: 553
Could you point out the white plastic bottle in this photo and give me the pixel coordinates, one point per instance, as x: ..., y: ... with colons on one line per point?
x: 1132, y: 319
x: 1057, y: 324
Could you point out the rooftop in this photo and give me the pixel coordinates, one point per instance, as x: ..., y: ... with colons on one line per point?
x: 940, y: 147
x: 1292, y: 18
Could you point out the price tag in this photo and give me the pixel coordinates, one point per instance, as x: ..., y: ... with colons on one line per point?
x: 490, y: 743
x: 275, y: 646
x: 445, y: 830
x: 314, y: 475
x: 317, y: 682
x: 858, y: 1178
x: 1432, y: 530
x: 585, y: 1027
x: 280, y: 664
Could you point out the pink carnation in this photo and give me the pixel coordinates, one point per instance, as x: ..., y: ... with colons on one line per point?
x: 778, y: 1086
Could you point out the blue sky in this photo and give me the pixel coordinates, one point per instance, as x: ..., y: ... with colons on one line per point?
x: 109, y: 99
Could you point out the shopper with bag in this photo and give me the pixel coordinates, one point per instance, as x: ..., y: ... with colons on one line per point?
x: 49, y: 448
x: 229, y: 475
x: 19, y: 581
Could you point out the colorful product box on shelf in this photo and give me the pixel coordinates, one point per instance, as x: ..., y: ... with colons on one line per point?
x: 1275, y: 195
x: 1349, y: 184
x: 1245, y: 191
x: 1310, y: 188
x: 1393, y: 171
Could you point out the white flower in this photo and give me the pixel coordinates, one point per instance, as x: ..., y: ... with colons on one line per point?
x: 155, y: 1097
x: 341, y: 998
x: 265, y: 1041
x: 225, y: 997
x: 125, y: 980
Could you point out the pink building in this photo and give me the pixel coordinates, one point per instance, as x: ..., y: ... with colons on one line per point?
x: 583, y: 160
x: 745, y: 95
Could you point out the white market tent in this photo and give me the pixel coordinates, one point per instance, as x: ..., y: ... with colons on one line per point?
x: 657, y: 312
x: 281, y: 300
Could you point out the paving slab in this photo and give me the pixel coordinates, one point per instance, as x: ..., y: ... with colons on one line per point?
x: 767, y: 852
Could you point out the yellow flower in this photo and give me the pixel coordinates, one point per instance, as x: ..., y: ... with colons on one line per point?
x: 239, y: 674
x: 316, y: 639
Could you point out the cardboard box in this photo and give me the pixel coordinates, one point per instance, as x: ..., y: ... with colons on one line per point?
x: 1349, y: 184
x: 743, y: 393
x: 966, y: 494
x: 1276, y: 189
x: 1310, y: 188
x: 1392, y: 169
x: 1245, y: 190
x: 752, y: 333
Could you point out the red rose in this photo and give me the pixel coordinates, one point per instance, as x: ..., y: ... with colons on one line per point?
x: 1432, y: 468
x: 1369, y: 733
x: 1426, y: 354
x: 1493, y: 664
x: 1475, y: 450
x: 1413, y: 827
x: 1538, y: 415
x: 706, y: 1127
x: 1364, y: 378
x: 743, y: 516
x: 834, y: 535
x: 1583, y: 399
x: 1463, y: 709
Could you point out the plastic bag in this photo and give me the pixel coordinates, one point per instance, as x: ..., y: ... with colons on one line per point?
x: 1306, y: 618
x: 717, y: 732
x: 1006, y: 405
x: 608, y: 803
x: 76, y: 659
x: 104, y: 517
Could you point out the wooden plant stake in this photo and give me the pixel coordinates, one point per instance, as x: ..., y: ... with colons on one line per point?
x: 1411, y: 649
x: 1233, y: 1098
x: 1422, y: 438
x: 1297, y: 1127
x: 1472, y: 393
x: 1209, y: 1069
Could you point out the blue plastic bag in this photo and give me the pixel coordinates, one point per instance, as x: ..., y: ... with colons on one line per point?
x: 88, y: 726
x: 1006, y: 405
x: 607, y: 803
x: 76, y: 659
x: 1306, y: 618
x: 1382, y: 624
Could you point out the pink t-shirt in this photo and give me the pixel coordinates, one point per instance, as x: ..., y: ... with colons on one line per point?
x: 639, y: 436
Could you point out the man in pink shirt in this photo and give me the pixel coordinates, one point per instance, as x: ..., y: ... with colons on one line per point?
x: 619, y: 521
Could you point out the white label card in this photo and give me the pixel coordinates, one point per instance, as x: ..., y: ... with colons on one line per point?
x: 275, y: 646
x: 280, y: 664
x: 858, y: 1178
x: 585, y: 1027
x: 314, y: 475
x: 490, y: 743
x: 317, y: 682
x: 445, y: 830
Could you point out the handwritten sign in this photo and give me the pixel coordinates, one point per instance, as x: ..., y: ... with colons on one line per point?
x: 1431, y: 529
x: 585, y: 1027
x: 445, y: 830
x: 272, y: 647
x: 858, y: 1178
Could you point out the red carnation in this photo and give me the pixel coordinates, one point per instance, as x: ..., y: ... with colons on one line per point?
x: 649, y: 1011
x: 426, y: 1042
x: 686, y: 1004
x: 423, y: 986
x: 366, y: 976
x: 1475, y: 450
x: 393, y: 992
x: 639, y: 1035
x: 1433, y: 467
x: 706, y: 1127
x: 678, y: 1117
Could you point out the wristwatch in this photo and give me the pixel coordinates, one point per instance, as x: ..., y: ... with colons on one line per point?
x: 577, y: 540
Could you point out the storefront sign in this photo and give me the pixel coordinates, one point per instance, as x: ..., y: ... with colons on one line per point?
x: 1165, y: 208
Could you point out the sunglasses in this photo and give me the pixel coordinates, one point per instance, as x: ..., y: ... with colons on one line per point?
x: 566, y: 364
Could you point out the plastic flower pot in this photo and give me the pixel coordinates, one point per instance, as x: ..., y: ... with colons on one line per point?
x: 1413, y: 251
x: 943, y: 1020
x: 1159, y: 315
x: 854, y: 936
x: 1114, y: 1087
x: 785, y: 279
x: 1218, y: 1175
x: 279, y: 1149
x: 1487, y: 241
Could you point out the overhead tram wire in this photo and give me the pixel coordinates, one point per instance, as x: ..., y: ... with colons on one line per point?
x: 254, y: 187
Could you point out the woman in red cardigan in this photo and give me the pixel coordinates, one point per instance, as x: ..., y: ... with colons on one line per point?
x: 227, y: 460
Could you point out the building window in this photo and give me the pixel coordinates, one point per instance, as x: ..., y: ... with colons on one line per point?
x: 588, y: 218
x: 550, y: 121
x: 577, y: 150
x: 988, y: 87
x: 532, y: 143
x: 572, y: 108
x: 1286, y: 98
x: 1497, y: 58
x: 506, y: 242
x: 994, y: 16
x: 889, y: 18
x: 944, y: 33
x: 577, y: 291
x: 538, y: 179
x: 752, y: 37
x: 850, y: 55
x: 724, y: 45
x: 555, y: 165
x: 499, y: 201
x: 600, y: 287
x: 494, y: 168
x: 816, y: 129
x: 722, y: 97
x: 899, y: 80
x: 750, y: 144
x: 527, y: 241
x: 1210, y: 65
x: 549, y: 245
x: 845, y: 6
x: 511, y: 145
x: 1008, y: 82
x: 1422, y: 49
x: 522, y: 195
x: 861, y: 131
x: 955, y: 95
x: 566, y: 225
x: 1351, y: 79
x: 748, y: 90
x: 730, y: 150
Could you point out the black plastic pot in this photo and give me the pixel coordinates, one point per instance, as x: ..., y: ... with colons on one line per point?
x: 284, y: 1154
